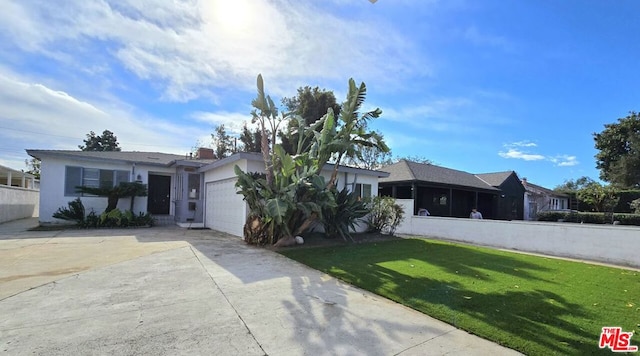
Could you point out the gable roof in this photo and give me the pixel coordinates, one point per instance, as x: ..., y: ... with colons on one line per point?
x: 151, y: 158
x: 405, y: 171
x: 537, y: 189
x: 495, y: 179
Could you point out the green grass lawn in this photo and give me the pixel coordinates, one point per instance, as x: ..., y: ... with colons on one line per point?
x: 536, y: 305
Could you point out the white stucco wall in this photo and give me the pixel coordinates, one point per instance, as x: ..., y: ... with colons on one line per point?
x: 52, y: 186
x: 226, y: 172
x: 18, y: 203
x: 602, y: 243
x: 220, y: 190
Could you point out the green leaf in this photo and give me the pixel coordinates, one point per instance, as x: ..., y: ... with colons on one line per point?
x: 276, y: 209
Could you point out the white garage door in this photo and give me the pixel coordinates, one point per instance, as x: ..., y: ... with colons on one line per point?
x: 225, y: 210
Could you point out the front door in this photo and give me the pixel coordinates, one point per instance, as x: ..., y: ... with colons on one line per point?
x: 158, y: 202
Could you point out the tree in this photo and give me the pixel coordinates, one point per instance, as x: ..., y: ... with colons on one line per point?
x: 413, y: 158
x: 310, y: 104
x: 344, y: 136
x: 250, y: 140
x: 113, y: 194
x: 618, y: 158
x: 105, y: 142
x: 602, y: 198
x: 33, y: 166
x: 371, y: 158
x: 293, y: 195
x: 266, y: 115
x: 223, y: 143
x: 573, y: 186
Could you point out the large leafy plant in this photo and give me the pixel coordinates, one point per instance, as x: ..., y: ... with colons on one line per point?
x: 293, y: 196
x: 342, y: 218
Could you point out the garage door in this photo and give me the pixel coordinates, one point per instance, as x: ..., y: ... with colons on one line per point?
x: 225, y: 210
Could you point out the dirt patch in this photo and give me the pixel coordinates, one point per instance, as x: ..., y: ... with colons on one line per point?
x: 54, y: 227
x: 313, y: 240
x: 46, y: 273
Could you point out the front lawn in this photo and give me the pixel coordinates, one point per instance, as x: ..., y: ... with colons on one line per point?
x: 536, y: 305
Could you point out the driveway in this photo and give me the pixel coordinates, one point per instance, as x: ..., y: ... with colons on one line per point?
x: 172, y: 291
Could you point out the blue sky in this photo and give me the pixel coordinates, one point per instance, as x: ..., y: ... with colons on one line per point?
x: 479, y: 86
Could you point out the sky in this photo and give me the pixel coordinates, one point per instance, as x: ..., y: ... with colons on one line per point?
x: 479, y: 86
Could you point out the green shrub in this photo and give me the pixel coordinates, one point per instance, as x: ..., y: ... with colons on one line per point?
x: 627, y: 219
x: 590, y: 218
x: 75, y: 212
x: 593, y: 218
x: 385, y: 215
x: 553, y: 216
x: 341, y: 219
x: 635, y: 206
x: 118, y: 218
x: 114, y: 218
x: 91, y: 221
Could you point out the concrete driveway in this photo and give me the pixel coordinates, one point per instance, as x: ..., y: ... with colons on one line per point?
x: 172, y: 291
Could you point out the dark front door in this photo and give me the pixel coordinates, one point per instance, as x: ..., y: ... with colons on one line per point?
x: 159, y: 193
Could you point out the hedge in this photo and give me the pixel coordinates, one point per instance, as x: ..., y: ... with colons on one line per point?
x: 590, y: 218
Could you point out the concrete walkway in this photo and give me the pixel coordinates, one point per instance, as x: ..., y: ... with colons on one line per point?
x: 171, y: 291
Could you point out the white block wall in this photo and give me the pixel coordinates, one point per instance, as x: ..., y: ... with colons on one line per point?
x: 603, y: 243
x: 18, y: 203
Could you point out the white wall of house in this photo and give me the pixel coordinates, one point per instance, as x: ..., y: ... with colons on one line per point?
x: 225, y: 210
x: 602, y: 243
x: 536, y: 200
x: 18, y: 203
x: 52, y: 186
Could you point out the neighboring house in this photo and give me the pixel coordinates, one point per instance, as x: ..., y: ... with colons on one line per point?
x: 538, y: 199
x: 452, y: 193
x: 18, y: 195
x: 511, y: 202
x: 15, y: 178
x: 189, y: 191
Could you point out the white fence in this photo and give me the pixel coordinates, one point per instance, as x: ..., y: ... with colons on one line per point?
x: 613, y: 244
x: 18, y: 203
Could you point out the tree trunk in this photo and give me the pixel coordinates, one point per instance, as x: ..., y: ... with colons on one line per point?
x: 255, y: 232
x: 264, y: 147
x: 112, y: 202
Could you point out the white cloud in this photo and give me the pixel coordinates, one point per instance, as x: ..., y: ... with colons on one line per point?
x: 514, y: 151
x: 565, y: 161
x: 232, y: 121
x: 524, y: 143
x: 439, y: 115
x: 33, y: 115
x: 190, y: 48
x: 517, y: 154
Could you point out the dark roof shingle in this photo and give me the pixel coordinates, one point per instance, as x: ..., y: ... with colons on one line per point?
x: 404, y: 170
x: 495, y: 179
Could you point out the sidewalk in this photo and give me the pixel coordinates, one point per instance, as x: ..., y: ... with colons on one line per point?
x: 198, y: 292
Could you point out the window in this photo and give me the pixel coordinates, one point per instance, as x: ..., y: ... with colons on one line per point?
x: 91, y: 177
x: 194, y: 186
x: 363, y: 190
x: 440, y: 199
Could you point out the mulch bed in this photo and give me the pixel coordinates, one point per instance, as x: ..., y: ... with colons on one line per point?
x: 313, y: 240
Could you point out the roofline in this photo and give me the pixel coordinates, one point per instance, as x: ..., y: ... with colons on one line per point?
x: 25, y: 174
x: 257, y: 157
x: 34, y: 154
